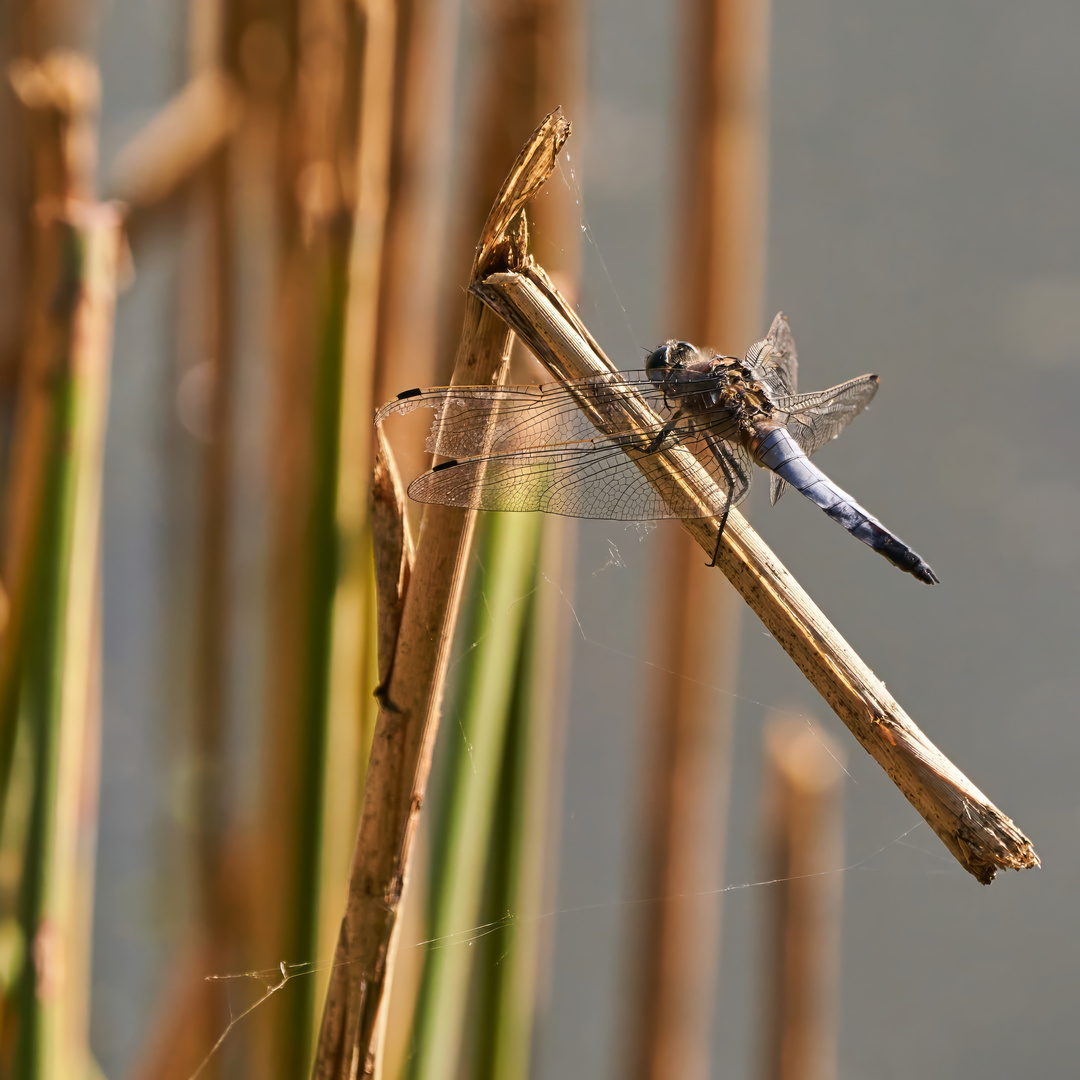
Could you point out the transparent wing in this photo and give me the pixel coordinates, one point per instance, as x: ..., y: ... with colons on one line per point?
x: 774, y: 360
x: 481, y: 420
x: 815, y: 419
x: 590, y: 478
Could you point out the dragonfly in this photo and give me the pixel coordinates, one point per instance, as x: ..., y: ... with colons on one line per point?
x: 522, y: 448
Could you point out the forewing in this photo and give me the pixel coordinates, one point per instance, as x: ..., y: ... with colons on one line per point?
x: 774, y: 360
x: 815, y: 419
x: 594, y: 478
x: 472, y: 421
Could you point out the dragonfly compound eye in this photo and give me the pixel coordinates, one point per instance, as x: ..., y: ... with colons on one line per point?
x: 658, y: 361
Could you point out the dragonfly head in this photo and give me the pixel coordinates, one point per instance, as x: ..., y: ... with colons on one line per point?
x: 672, y: 354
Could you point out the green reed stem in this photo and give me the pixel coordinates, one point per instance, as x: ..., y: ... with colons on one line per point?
x: 478, y: 729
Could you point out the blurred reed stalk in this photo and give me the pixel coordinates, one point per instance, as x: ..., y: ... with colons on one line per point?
x: 718, y: 275
x: 49, y: 670
x: 211, y: 216
x: 187, y: 155
x: 412, y: 291
x: 15, y: 217
x: 493, y: 820
x: 804, y: 841
x: 302, y: 92
x: 332, y: 204
x: 411, y: 696
x: 352, y: 675
x: 292, y: 98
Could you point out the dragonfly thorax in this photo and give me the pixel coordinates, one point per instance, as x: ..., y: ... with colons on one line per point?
x: 720, y: 394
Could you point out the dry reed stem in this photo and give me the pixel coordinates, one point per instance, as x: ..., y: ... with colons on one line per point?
x: 394, y: 551
x: 804, y: 841
x: 408, y: 721
x: 980, y: 837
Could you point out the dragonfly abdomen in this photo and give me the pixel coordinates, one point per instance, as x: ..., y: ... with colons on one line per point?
x: 779, y: 451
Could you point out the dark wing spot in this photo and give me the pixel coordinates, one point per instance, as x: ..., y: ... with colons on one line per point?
x: 409, y: 393
x: 445, y: 465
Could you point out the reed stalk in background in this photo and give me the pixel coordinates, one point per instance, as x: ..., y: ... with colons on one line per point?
x: 321, y: 122
x: 318, y: 186
x: 52, y: 554
x: 195, y: 155
x: 15, y: 218
x: 212, y: 216
x: 273, y: 107
x: 803, y: 842
x: 413, y: 291
x: 351, y: 664
x: 718, y: 270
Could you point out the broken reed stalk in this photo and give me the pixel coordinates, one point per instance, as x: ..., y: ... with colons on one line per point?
x: 804, y: 840
x: 980, y: 837
x: 410, y: 700
x: 52, y: 548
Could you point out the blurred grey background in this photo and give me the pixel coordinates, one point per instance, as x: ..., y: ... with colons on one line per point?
x: 924, y: 223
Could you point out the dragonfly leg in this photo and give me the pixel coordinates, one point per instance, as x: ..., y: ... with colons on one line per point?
x: 729, y: 477
x: 664, y: 432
